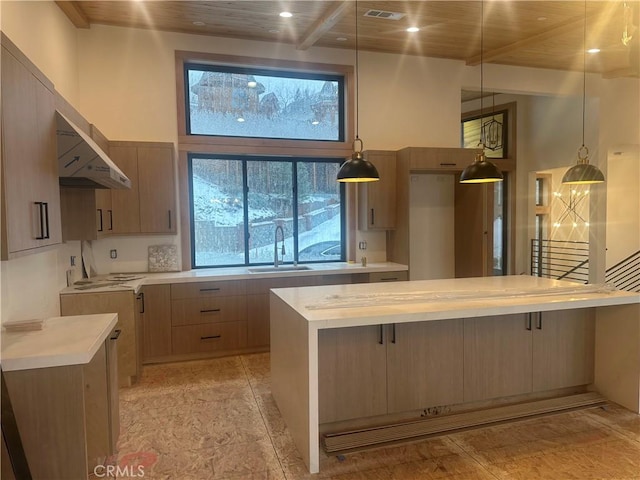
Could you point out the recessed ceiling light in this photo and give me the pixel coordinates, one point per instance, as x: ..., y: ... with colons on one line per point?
x: 252, y: 84
x: 315, y: 122
x: 240, y: 119
x: 413, y: 29
x: 593, y: 50
x: 341, y: 39
x: 198, y: 24
x: 286, y: 14
x: 541, y: 19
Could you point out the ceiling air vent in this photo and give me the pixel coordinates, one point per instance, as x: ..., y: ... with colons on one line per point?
x: 384, y: 14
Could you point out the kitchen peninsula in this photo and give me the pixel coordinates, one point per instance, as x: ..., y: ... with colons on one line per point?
x: 372, y: 352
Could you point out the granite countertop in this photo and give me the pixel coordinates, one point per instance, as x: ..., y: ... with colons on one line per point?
x: 134, y: 281
x: 62, y: 341
x: 378, y: 303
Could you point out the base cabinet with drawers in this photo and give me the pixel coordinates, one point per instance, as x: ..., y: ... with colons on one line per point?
x: 221, y: 317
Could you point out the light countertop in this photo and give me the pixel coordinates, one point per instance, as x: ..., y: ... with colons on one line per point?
x: 378, y: 303
x: 231, y: 273
x: 62, y: 341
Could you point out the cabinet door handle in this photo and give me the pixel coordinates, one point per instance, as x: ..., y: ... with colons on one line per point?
x: 216, y: 289
x: 529, y: 321
x: 539, y: 324
x: 210, y: 337
x: 444, y: 164
x: 141, y: 298
x: 373, y: 218
x: 100, y: 229
x: 116, y: 334
x: 110, y: 219
x: 211, y: 310
x: 43, y: 213
x: 393, y: 333
x: 169, y: 219
x: 380, y: 335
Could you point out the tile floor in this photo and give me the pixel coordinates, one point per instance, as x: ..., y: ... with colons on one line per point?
x: 216, y: 419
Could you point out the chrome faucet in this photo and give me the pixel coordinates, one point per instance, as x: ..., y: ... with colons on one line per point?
x: 276, y: 261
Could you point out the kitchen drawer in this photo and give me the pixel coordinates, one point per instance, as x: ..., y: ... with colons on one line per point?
x: 208, y: 337
x: 388, y: 276
x: 193, y: 311
x: 207, y: 289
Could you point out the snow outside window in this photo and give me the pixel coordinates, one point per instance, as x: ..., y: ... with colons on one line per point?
x: 237, y: 203
x: 258, y: 103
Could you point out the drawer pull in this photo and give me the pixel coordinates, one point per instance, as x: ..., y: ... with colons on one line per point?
x: 116, y: 334
x: 210, y: 337
x: 389, y: 279
x: 216, y: 289
x: 445, y: 164
x: 211, y: 310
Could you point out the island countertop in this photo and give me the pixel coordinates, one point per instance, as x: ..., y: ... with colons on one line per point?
x: 72, y: 340
x: 364, y: 304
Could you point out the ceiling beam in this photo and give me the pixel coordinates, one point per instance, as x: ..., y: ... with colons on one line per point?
x: 323, y: 24
x: 73, y: 11
x: 557, y: 31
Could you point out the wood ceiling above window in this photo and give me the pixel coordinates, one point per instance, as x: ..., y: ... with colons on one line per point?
x: 541, y: 34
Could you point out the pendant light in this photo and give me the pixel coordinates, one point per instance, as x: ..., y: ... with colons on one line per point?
x: 583, y: 173
x: 481, y: 170
x: 357, y: 168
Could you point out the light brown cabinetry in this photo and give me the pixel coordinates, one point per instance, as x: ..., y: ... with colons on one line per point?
x: 208, y: 317
x: 30, y: 191
x: 156, y: 322
x: 128, y: 308
x: 517, y: 354
x: 150, y: 205
x: 563, y: 348
x: 377, y: 200
x: 375, y: 370
x: 67, y: 416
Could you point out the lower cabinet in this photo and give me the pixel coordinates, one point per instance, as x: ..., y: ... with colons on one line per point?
x: 518, y: 354
x: 375, y: 370
x: 219, y: 317
x: 67, y: 416
x: 128, y: 308
x: 156, y: 322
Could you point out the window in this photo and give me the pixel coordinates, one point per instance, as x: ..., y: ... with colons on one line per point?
x: 260, y: 103
x: 494, y: 133
x: 238, y: 201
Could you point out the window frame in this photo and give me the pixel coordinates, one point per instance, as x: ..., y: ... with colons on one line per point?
x: 340, y: 79
x: 245, y: 199
x: 254, y: 146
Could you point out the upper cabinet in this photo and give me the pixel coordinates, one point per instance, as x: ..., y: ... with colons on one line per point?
x: 376, y: 200
x: 30, y: 191
x: 150, y: 205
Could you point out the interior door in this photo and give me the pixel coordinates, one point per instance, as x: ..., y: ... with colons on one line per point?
x: 473, y: 229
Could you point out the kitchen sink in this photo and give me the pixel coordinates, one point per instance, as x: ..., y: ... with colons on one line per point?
x: 290, y: 268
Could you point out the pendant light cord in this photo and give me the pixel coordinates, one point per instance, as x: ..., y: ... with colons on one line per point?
x: 357, y: 74
x: 584, y: 67
x: 482, y: 139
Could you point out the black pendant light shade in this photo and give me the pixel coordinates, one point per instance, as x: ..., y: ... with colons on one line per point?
x: 481, y: 171
x: 358, y: 168
x: 583, y: 173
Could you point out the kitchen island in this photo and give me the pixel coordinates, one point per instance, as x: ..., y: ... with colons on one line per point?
x: 346, y: 352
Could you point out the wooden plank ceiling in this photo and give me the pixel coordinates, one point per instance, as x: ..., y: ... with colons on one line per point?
x: 542, y: 34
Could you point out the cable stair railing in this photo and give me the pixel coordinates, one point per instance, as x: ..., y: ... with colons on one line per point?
x: 625, y: 275
x: 560, y: 259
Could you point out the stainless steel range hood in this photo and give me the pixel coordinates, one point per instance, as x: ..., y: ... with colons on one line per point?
x: 82, y: 163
